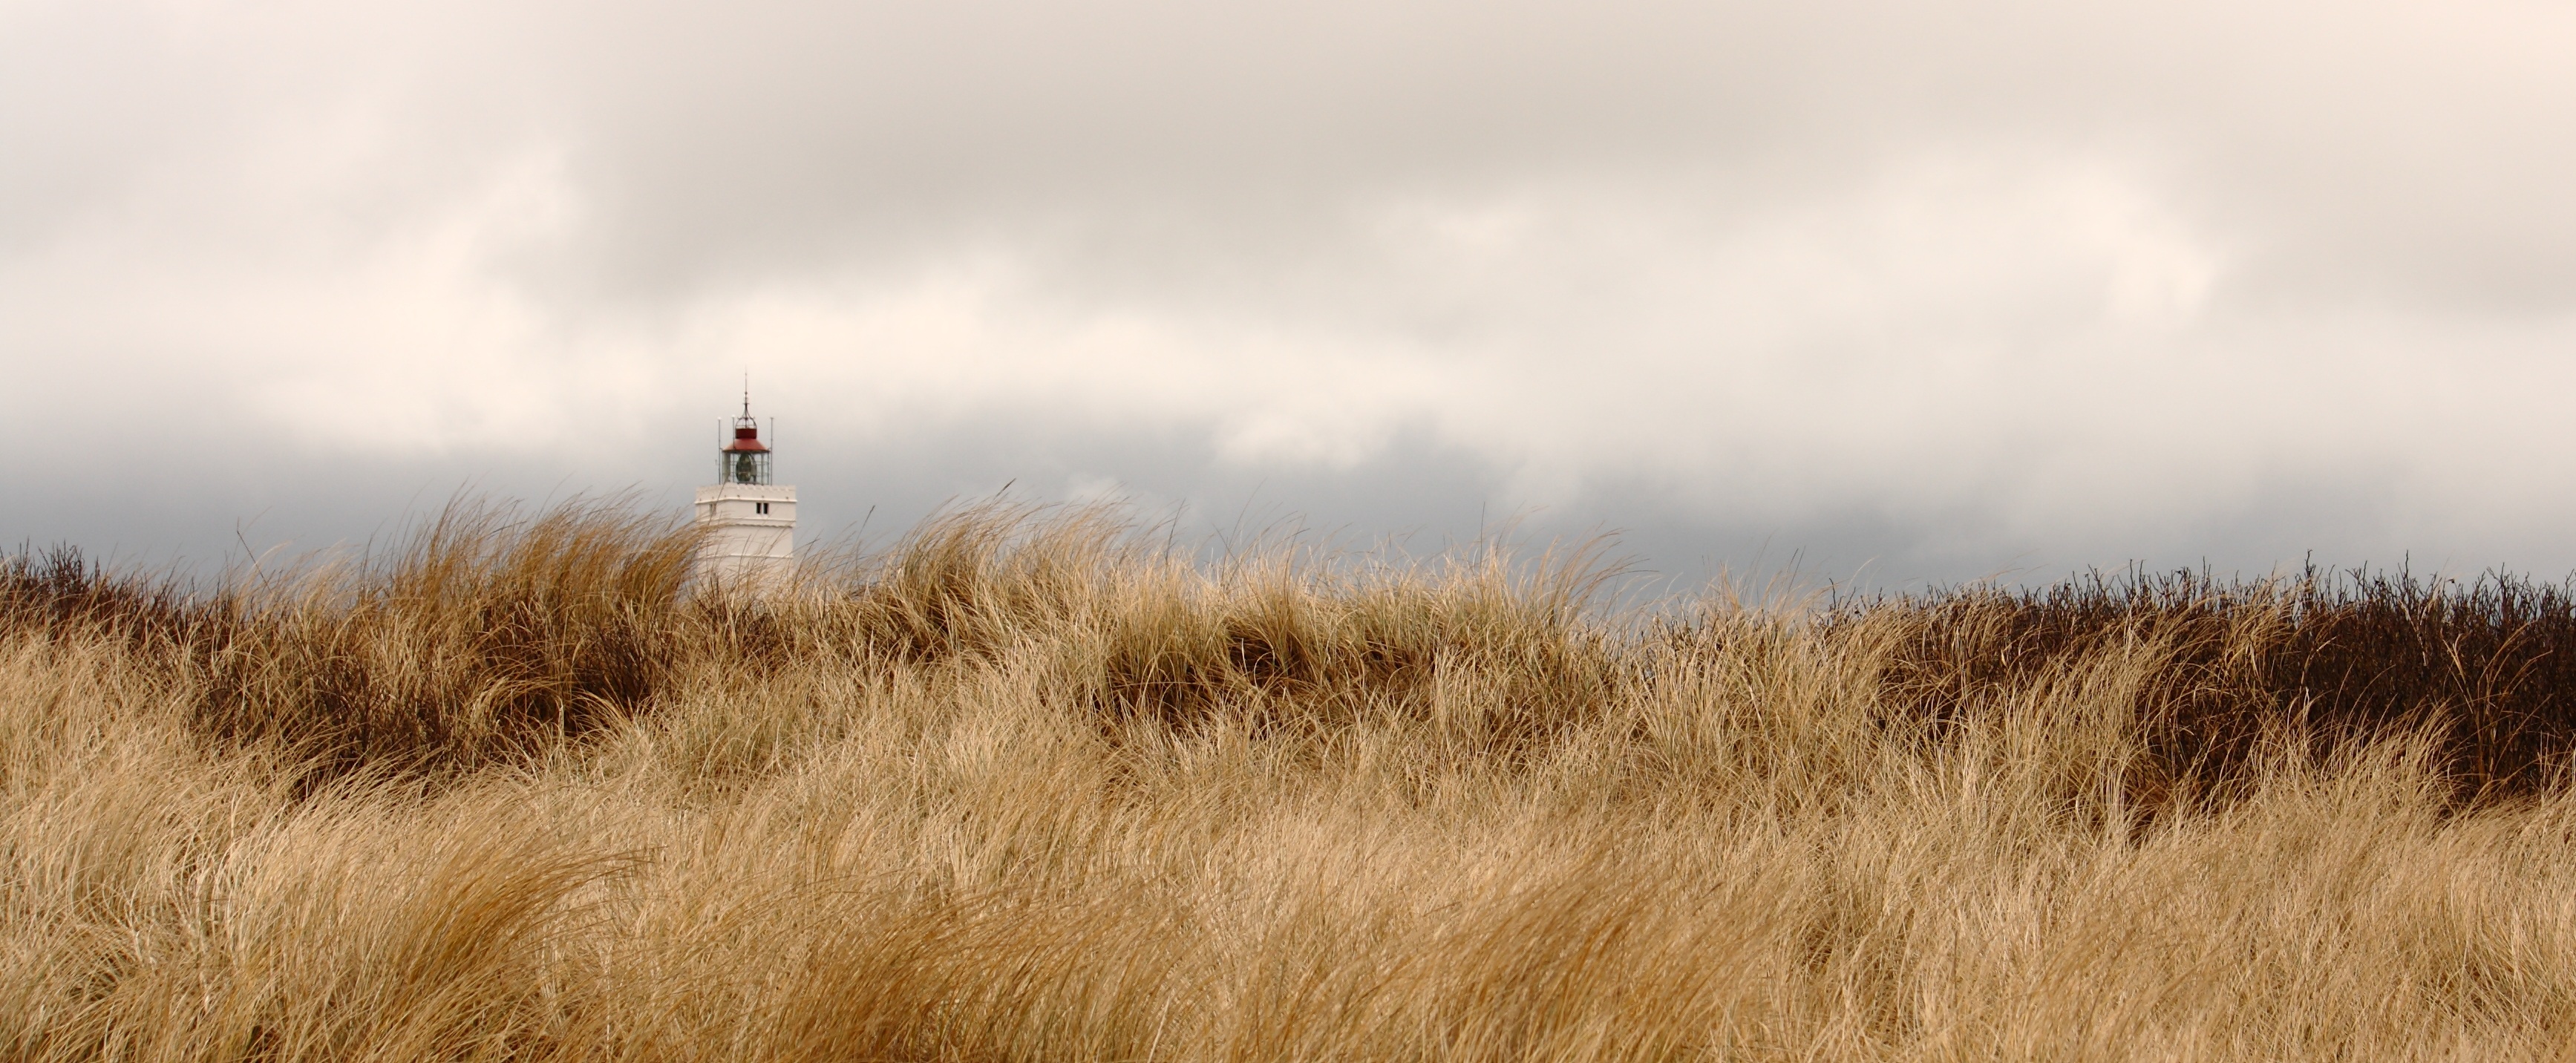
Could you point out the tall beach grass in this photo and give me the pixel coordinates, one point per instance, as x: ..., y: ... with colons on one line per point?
x: 1029, y: 785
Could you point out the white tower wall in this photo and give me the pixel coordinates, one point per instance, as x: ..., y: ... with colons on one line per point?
x: 751, y: 534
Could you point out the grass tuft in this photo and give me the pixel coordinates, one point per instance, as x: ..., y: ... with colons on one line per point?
x: 1032, y: 785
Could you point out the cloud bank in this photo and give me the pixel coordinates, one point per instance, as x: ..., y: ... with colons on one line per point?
x: 1932, y: 291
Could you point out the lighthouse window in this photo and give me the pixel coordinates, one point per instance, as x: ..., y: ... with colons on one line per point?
x: 760, y: 507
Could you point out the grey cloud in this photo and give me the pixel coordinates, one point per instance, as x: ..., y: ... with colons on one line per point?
x: 1948, y: 289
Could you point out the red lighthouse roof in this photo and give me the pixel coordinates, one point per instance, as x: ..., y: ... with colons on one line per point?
x: 746, y: 432
x: 743, y: 459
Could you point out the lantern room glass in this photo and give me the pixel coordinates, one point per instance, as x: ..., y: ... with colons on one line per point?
x: 742, y: 467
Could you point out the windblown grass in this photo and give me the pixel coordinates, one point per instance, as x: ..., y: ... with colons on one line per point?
x: 1026, y: 786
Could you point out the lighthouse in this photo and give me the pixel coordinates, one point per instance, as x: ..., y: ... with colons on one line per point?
x: 750, y: 522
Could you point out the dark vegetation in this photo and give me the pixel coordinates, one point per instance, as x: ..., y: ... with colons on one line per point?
x: 484, y: 637
x: 2487, y: 666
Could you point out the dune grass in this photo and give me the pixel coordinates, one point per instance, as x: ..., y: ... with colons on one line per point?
x: 1029, y: 786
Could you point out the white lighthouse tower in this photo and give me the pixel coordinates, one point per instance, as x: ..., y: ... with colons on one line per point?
x: 750, y: 522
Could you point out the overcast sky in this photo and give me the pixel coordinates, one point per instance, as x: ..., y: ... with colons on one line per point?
x: 1906, y: 291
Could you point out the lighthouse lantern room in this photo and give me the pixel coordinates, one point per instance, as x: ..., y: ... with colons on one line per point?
x: 750, y: 522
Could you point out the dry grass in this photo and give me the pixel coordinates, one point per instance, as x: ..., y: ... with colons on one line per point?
x: 1026, y: 787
